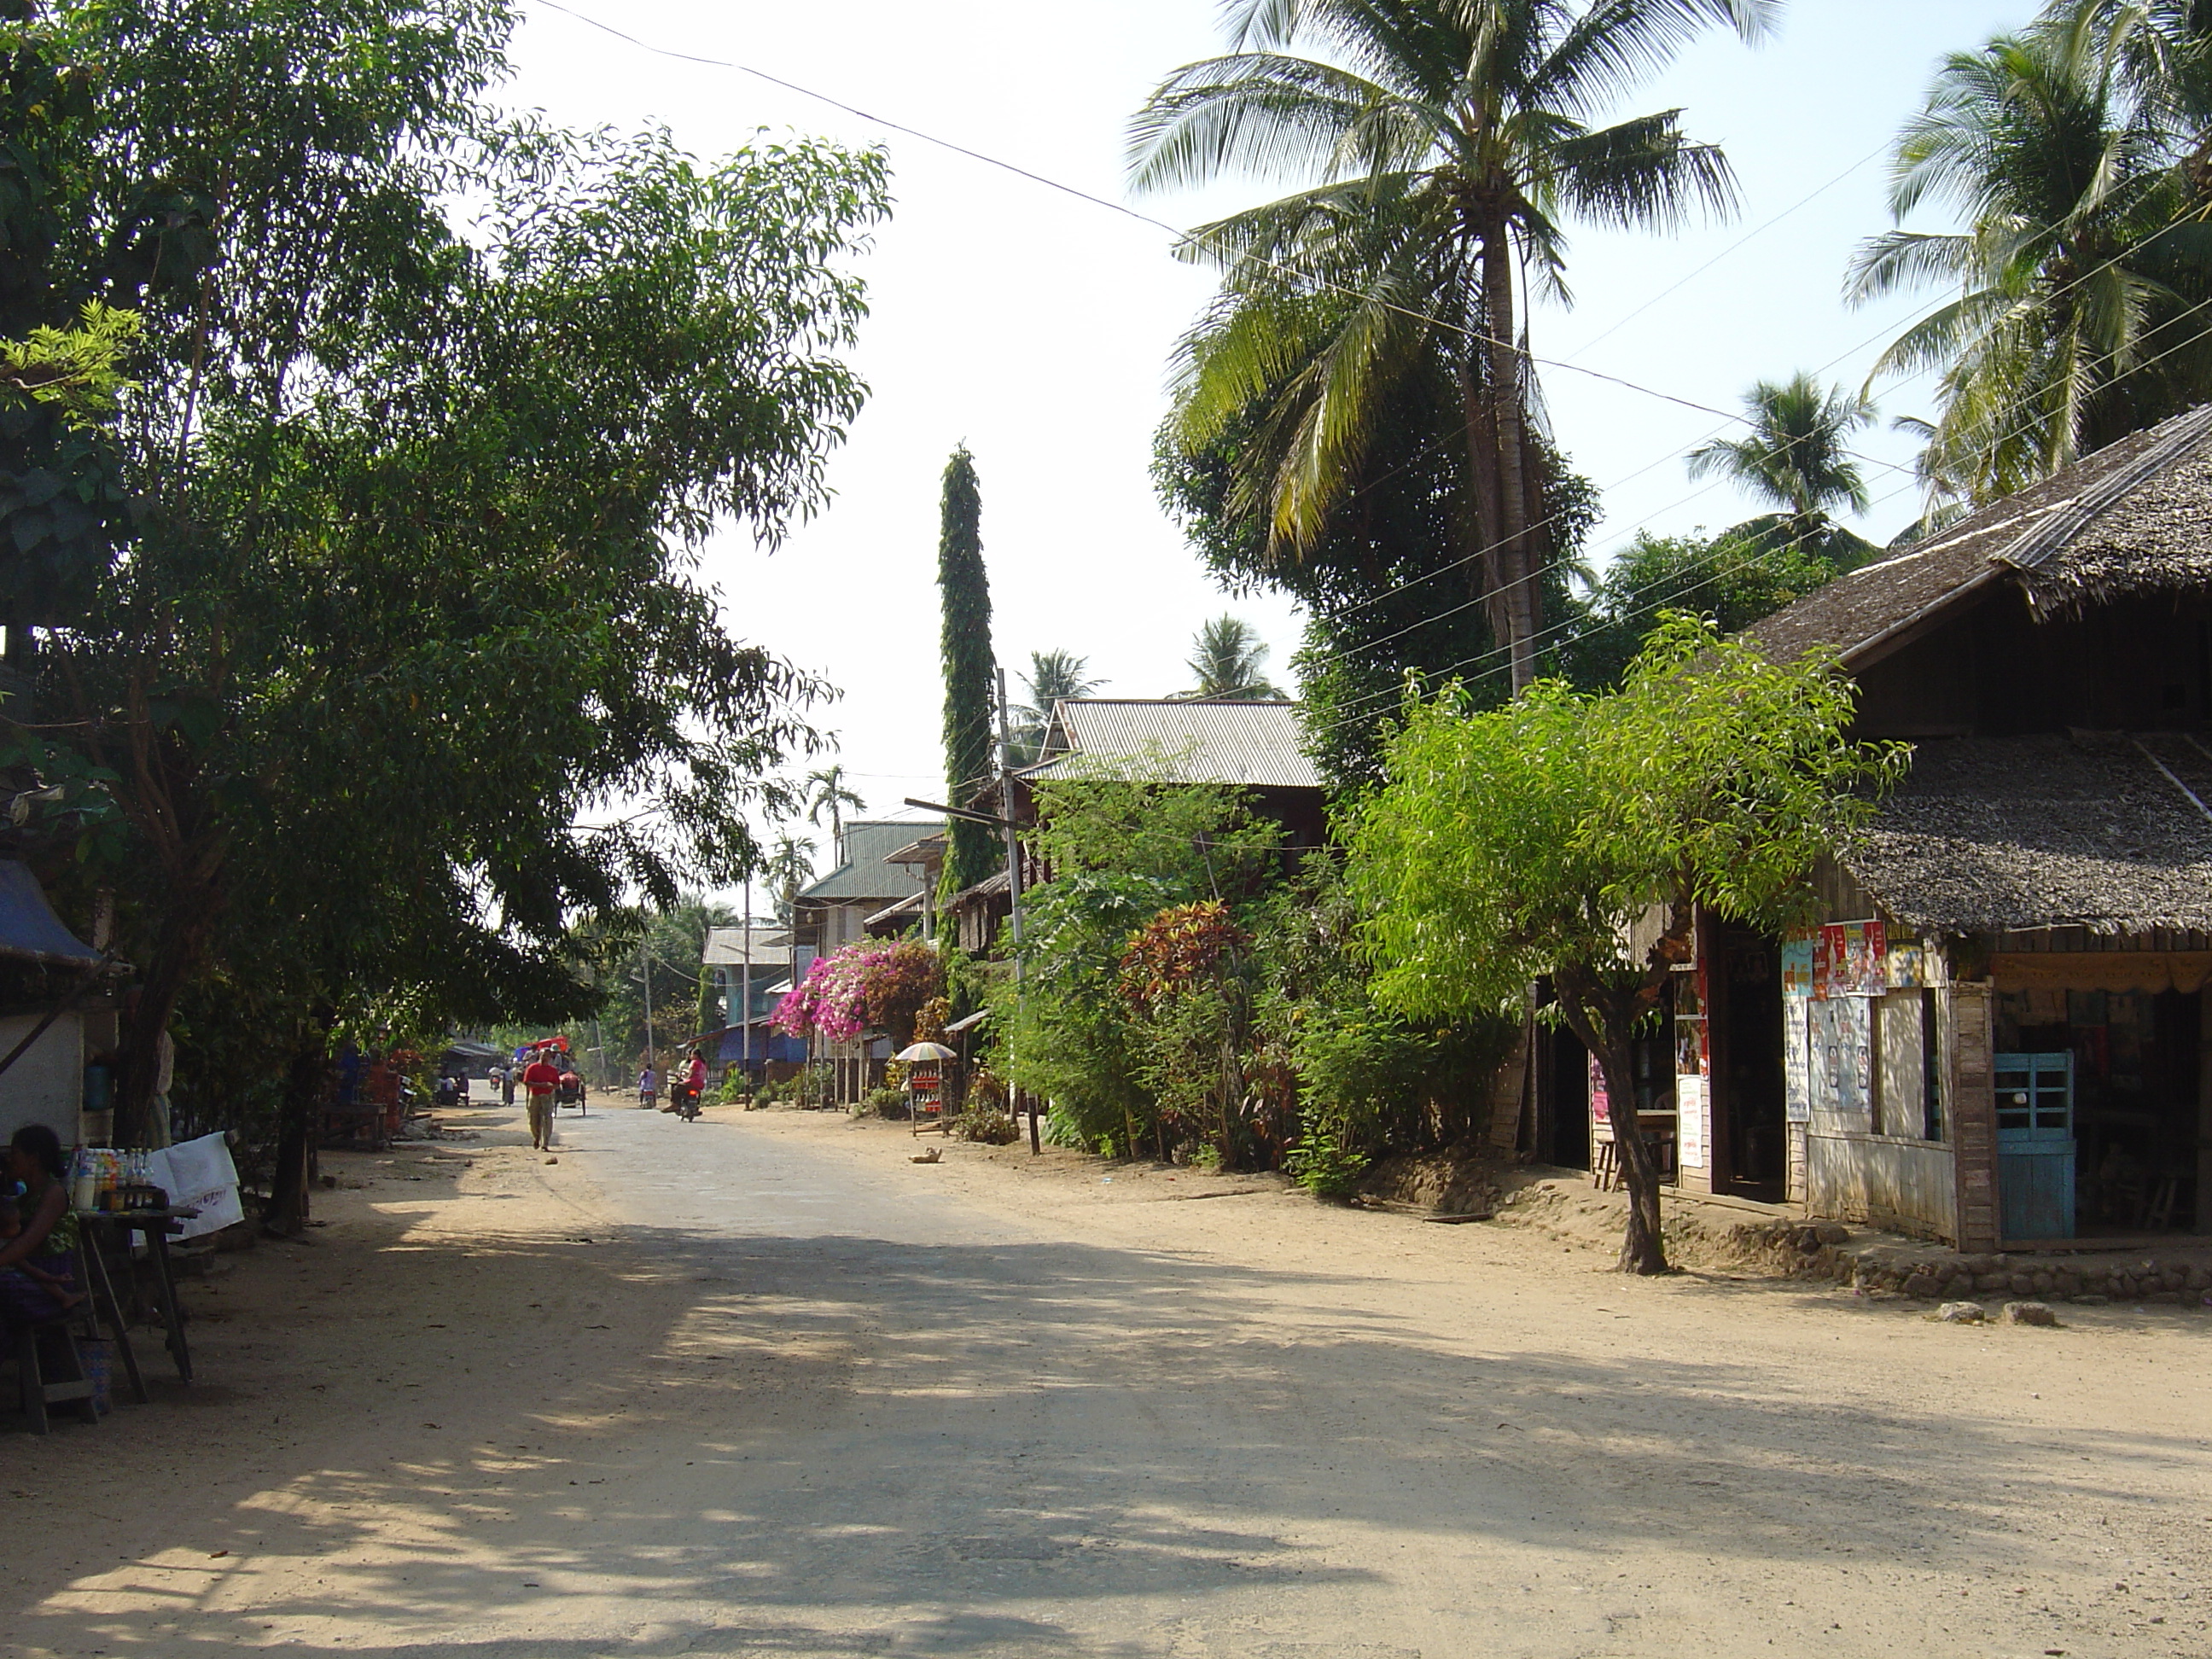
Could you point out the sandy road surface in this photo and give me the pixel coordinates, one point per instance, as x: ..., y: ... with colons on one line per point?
x: 757, y: 1385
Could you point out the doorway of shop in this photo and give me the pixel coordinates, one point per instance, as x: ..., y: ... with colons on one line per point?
x: 1751, y: 1142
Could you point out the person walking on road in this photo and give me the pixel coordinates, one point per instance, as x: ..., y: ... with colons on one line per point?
x: 540, y: 1078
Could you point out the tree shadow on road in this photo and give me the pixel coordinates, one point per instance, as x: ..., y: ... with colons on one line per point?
x: 841, y: 1445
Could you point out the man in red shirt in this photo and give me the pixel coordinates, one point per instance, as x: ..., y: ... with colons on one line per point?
x: 541, y: 1078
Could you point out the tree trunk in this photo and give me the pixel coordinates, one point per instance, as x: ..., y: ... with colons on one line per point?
x: 138, y: 1038
x: 1643, y: 1245
x: 1487, y: 574
x: 1515, y: 566
x: 1604, y: 1031
x: 288, y: 1202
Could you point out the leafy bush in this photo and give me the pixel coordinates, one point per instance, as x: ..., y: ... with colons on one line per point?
x: 886, y: 1102
x: 995, y: 1128
x: 1322, y: 1165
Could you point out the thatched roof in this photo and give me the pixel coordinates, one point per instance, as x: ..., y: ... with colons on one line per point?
x: 2135, y: 517
x: 1995, y: 834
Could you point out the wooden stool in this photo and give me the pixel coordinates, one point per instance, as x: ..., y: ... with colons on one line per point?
x: 1605, y: 1166
x: 52, y: 1371
x: 2156, y: 1213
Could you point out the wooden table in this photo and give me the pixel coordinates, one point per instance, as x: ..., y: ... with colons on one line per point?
x: 157, y: 1225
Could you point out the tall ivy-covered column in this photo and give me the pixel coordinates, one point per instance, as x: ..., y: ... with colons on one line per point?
x: 964, y: 591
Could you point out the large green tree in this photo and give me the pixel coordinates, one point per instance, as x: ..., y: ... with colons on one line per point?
x: 963, y: 587
x: 1385, y: 589
x: 409, y: 620
x: 1532, y: 840
x: 1439, y: 146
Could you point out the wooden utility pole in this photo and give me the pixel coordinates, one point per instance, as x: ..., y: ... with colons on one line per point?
x: 1013, y: 879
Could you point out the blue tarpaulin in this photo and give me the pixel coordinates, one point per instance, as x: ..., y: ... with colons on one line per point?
x: 29, y: 929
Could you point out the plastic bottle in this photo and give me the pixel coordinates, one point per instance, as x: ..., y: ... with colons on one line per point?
x: 84, y: 1185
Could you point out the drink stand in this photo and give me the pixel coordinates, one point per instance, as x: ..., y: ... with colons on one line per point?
x: 925, y: 1084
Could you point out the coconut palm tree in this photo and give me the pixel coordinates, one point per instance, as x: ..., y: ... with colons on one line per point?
x: 1796, y: 458
x: 1226, y: 659
x: 1439, y: 146
x: 2082, y: 277
x: 827, y: 793
x: 1052, y: 675
x: 787, y: 872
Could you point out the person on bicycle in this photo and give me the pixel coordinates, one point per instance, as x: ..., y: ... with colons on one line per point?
x: 649, y: 1087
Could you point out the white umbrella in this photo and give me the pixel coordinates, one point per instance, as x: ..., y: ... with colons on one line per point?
x: 928, y: 1051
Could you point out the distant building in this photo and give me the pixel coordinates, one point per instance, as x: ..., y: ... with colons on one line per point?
x: 756, y: 958
x: 1257, y: 747
x: 834, y: 911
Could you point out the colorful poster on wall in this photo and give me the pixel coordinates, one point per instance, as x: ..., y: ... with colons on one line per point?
x: 1690, y: 1122
x: 1907, y: 966
x: 1797, y: 966
x: 1600, y: 1103
x: 1798, y: 1058
x: 1847, y: 961
x: 1842, y: 1062
x: 1691, y: 1052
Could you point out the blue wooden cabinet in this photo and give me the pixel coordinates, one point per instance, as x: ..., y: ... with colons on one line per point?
x: 2035, y: 1144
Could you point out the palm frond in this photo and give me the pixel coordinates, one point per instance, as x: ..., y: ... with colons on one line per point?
x: 1617, y: 45
x: 1641, y: 172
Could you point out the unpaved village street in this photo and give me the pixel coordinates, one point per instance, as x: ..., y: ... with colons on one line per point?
x: 760, y: 1385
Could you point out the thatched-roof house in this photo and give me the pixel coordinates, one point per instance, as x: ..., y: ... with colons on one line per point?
x: 2000, y: 1036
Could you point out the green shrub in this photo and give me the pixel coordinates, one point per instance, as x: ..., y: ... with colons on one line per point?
x: 1324, y: 1168
x: 886, y: 1102
x: 993, y: 1128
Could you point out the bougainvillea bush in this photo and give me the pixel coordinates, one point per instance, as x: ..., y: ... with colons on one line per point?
x: 865, y: 986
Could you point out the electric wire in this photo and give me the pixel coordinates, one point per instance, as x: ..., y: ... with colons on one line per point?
x: 1184, y: 238
x: 1372, y: 701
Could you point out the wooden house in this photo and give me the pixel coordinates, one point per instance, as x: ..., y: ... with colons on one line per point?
x: 1999, y: 1037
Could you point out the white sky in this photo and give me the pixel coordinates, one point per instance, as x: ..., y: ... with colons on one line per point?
x: 1036, y: 327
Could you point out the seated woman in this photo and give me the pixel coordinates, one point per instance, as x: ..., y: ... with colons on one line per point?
x: 37, y: 1262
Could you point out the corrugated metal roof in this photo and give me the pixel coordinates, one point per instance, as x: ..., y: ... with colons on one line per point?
x: 864, y: 875
x: 1258, y: 746
x: 726, y: 946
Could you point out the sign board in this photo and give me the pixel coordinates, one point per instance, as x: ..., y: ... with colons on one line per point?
x: 1690, y: 1121
x: 1796, y: 1059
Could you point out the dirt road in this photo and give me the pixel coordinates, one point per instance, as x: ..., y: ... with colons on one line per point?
x: 759, y: 1385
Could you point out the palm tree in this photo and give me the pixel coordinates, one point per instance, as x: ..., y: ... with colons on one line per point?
x: 1794, y: 457
x: 1226, y: 656
x: 787, y: 872
x: 827, y: 793
x: 1053, y: 676
x: 2081, y: 274
x: 1440, y: 144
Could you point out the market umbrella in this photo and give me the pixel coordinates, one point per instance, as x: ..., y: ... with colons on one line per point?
x: 928, y: 1051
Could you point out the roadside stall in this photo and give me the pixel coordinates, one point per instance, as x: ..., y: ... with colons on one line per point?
x: 925, y: 1084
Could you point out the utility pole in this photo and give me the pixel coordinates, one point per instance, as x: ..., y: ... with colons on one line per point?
x: 1013, y: 877
x: 746, y: 990
x: 645, y: 969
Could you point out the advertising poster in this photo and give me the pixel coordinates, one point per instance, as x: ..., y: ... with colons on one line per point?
x: 1797, y: 966
x: 1797, y: 1056
x: 1847, y: 961
x: 1690, y: 1052
x: 1690, y: 1122
x: 1600, y: 1105
x: 1908, y: 966
x: 1843, y: 1060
